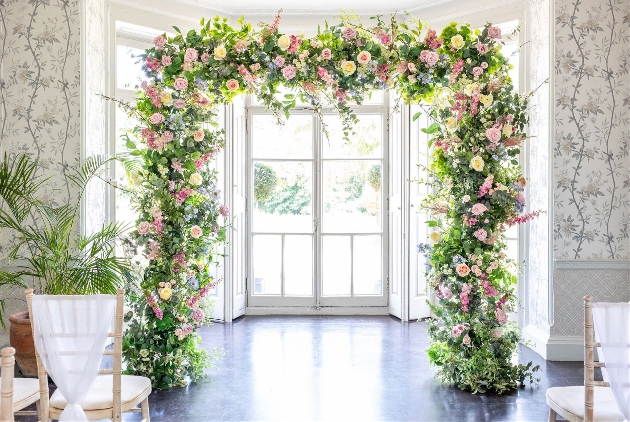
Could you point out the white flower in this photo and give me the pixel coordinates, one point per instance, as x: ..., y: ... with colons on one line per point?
x: 284, y: 42
x: 220, y: 52
x: 486, y: 100
x: 477, y: 163
x: 195, y: 179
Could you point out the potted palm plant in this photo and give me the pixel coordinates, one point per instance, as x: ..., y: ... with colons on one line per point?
x: 47, y: 252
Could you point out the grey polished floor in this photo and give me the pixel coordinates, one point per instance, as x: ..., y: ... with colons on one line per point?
x: 341, y: 368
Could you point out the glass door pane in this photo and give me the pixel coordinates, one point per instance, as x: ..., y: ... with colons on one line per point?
x: 281, y: 168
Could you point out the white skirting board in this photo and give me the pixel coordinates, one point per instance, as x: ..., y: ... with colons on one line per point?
x: 324, y: 310
x: 555, y: 348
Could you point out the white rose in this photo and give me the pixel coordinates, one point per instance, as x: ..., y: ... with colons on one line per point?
x: 486, y: 100
x: 195, y: 179
x: 477, y: 163
x: 348, y: 68
x: 435, y: 237
x: 284, y: 42
x: 457, y: 42
x: 507, y: 129
x: 451, y: 123
x: 220, y: 52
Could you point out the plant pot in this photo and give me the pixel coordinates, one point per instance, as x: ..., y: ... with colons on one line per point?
x: 21, y: 339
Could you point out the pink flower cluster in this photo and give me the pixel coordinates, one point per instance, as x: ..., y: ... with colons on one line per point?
x: 486, y: 186
x: 200, y: 162
x: 225, y: 211
x: 158, y: 219
x: 432, y: 41
x: 457, y: 69
x: 480, y: 234
x: 156, y: 308
x: 463, y: 295
x: 488, y: 289
x: 383, y: 36
x: 201, y: 293
x: 323, y: 73
x: 501, y: 316
x: 479, y: 209
x: 182, y: 194
x: 180, y: 262
x: 247, y: 75
x: 159, y: 41
x: 521, y: 219
x: 186, y: 330
x: 341, y: 94
x: 460, y: 106
x: 153, y: 64
x: 470, y: 221
x: 295, y: 44
x: 273, y: 26
x: 289, y: 72
x: 154, y: 250
x: 457, y: 330
x: 152, y: 93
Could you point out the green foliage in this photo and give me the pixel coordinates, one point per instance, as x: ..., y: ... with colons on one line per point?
x: 47, y: 248
x: 374, y: 177
x: 462, y: 73
x: 265, y: 181
x: 292, y: 199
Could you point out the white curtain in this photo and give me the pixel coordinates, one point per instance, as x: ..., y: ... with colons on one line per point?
x: 70, y: 336
x: 612, y: 330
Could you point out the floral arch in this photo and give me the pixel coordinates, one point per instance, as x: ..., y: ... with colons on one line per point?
x: 479, y: 126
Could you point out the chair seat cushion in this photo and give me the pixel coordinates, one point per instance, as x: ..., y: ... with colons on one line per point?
x: 133, y: 390
x: 572, y: 400
x: 25, y: 392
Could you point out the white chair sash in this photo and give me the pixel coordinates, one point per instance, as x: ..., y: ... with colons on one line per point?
x: 612, y: 330
x: 70, y: 336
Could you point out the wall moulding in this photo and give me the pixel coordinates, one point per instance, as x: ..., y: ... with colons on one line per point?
x: 591, y: 264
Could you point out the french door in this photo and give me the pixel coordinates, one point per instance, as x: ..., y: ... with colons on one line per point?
x: 317, y: 221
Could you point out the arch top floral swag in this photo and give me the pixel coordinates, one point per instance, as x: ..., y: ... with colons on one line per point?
x: 479, y: 126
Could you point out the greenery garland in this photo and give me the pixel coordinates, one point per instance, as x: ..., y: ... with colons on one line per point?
x: 479, y: 126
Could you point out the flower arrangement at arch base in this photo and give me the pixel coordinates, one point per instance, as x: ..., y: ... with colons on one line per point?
x: 479, y: 126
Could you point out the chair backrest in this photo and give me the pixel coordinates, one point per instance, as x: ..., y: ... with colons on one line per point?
x: 6, y: 385
x: 589, y: 360
x: 116, y: 353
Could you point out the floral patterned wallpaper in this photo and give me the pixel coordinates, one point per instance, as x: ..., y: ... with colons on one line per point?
x: 592, y: 129
x: 40, y: 88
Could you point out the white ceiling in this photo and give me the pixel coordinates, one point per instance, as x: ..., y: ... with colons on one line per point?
x: 331, y: 7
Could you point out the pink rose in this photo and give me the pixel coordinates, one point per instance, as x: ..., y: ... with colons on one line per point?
x: 481, y: 234
x: 232, y: 84
x: 159, y: 41
x: 279, y: 61
x: 477, y: 71
x: 493, y: 134
x: 167, y: 137
x: 326, y: 54
x: 199, y: 135
x: 466, y: 340
x: 205, y: 57
x: 457, y: 330
x: 254, y: 67
x: 144, y: 227
x: 190, y: 55
x: 179, y: 103
x: 196, y: 232
x: 166, y: 60
x: 462, y: 270
x: 484, y: 65
x: 225, y: 211
x: 156, y: 118
x: 432, y: 58
x: 479, y: 209
x: 349, y: 33
x: 482, y: 48
x: 466, y: 198
x: 181, y: 84
x: 412, y: 67
x: 198, y: 315
x: 289, y: 72
x: 494, y: 32
x: 501, y: 316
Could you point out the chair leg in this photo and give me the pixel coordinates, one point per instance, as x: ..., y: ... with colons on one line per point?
x: 145, y: 410
x: 552, y: 415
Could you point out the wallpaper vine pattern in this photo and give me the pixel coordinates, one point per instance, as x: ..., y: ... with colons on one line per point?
x: 40, y: 89
x: 591, y: 149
